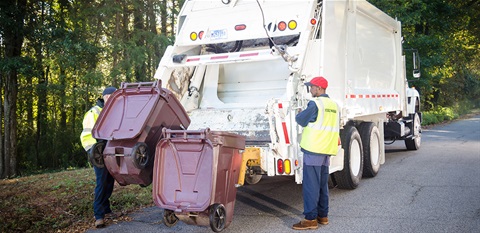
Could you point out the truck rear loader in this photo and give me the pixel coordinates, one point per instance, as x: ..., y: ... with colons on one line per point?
x: 240, y: 66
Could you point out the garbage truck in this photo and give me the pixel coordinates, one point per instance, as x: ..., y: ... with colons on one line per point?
x: 240, y: 66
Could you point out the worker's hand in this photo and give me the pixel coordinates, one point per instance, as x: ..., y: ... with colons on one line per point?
x: 299, y: 110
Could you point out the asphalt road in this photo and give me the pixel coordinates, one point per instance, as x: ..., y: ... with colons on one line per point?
x: 434, y: 189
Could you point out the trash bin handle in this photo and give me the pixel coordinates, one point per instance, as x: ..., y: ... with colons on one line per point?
x: 185, y: 134
x: 157, y: 83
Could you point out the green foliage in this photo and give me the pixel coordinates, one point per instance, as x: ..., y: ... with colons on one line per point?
x: 71, y: 51
x: 445, y: 113
x: 429, y: 118
x: 441, y: 114
x: 447, y: 35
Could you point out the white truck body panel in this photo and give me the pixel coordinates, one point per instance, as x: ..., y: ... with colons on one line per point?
x: 257, y: 90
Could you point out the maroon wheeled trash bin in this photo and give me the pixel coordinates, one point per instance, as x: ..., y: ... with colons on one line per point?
x: 195, y: 176
x: 131, y: 123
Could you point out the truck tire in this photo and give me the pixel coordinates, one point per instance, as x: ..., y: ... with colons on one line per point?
x: 414, y: 142
x: 251, y: 176
x: 350, y: 176
x: 371, y: 148
x: 253, y: 179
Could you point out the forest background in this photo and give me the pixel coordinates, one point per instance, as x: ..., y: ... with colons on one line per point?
x: 57, y: 55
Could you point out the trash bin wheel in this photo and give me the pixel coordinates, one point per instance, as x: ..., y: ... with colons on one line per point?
x: 169, y: 218
x: 95, y: 155
x: 140, y: 155
x: 217, y: 217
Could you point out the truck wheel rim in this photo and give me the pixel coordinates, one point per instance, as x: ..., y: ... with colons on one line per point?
x: 374, y: 149
x: 355, y: 156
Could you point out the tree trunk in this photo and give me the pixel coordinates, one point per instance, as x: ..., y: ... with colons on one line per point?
x: 2, y: 149
x: 39, y: 90
x: 172, y: 17
x: 138, y: 29
x: 10, y: 108
x: 163, y: 18
x: 41, y: 113
x: 14, y: 36
x: 115, y: 50
x: 126, y: 38
x: 152, y: 27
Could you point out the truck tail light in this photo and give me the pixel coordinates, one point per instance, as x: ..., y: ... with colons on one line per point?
x: 282, y: 26
x: 193, y: 36
x: 240, y: 27
x: 313, y: 21
x: 287, y: 166
x: 292, y: 24
x: 280, y: 166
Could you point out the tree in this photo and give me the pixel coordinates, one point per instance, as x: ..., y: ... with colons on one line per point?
x: 446, y: 33
x: 58, y: 55
x: 12, y: 15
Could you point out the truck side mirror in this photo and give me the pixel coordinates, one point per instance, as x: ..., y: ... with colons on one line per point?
x: 416, y: 64
x: 416, y: 74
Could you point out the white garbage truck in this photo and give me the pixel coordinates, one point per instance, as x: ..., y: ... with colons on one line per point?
x: 240, y: 66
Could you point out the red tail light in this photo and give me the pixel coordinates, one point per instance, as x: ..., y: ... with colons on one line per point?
x: 282, y: 26
x: 280, y: 166
x: 240, y: 27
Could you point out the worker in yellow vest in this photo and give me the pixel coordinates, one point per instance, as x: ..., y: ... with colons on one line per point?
x: 320, y: 137
x: 104, y: 181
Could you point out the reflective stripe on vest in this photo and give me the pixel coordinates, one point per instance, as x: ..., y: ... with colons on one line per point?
x: 89, y: 120
x: 322, y: 135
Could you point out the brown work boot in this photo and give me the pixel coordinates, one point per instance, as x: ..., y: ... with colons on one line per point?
x: 305, y: 225
x: 322, y: 220
x: 112, y: 215
x: 99, y: 223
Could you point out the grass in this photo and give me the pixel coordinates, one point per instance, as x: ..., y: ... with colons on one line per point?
x: 61, y: 201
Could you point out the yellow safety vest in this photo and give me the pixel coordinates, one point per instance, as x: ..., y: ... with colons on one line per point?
x: 88, y: 122
x: 322, y: 135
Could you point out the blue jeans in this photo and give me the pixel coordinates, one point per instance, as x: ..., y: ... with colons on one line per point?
x: 103, y: 191
x: 315, y: 191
